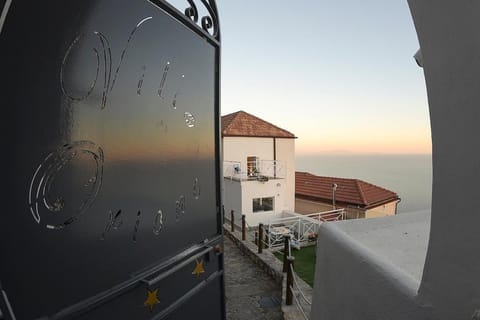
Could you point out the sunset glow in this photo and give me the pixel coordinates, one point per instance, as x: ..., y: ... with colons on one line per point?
x: 339, y: 75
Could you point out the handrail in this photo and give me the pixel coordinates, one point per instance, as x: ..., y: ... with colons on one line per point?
x: 284, y: 219
x: 299, y: 306
x: 253, y: 169
x: 301, y: 227
x: 291, y: 281
x: 189, y: 294
x: 123, y: 287
x: 177, y: 267
x: 325, y: 212
x: 300, y: 290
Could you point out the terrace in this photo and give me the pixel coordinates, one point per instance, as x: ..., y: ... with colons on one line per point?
x: 260, y: 170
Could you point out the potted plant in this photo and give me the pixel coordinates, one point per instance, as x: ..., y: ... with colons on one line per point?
x: 312, y: 236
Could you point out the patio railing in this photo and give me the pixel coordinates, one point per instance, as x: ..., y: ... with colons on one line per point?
x: 302, y: 229
x: 261, y: 170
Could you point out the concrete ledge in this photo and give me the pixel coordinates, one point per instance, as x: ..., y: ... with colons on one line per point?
x: 354, y: 281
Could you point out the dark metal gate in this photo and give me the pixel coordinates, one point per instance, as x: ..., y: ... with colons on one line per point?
x: 110, y: 123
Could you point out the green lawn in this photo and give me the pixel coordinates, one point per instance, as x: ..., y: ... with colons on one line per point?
x: 304, y: 262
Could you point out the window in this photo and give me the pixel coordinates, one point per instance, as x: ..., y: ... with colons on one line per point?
x: 262, y: 204
x: 252, y: 166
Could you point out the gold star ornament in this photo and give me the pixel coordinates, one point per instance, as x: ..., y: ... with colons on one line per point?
x: 198, y: 268
x: 152, y: 299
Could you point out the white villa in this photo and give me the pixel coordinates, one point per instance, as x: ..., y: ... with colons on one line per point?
x: 258, y: 168
x: 260, y: 179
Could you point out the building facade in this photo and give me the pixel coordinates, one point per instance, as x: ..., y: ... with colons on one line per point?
x: 360, y: 199
x: 258, y: 168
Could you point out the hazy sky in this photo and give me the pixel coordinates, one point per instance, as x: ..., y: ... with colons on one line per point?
x: 338, y: 74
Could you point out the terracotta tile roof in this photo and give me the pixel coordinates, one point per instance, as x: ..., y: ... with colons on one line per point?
x: 243, y: 124
x: 349, y: 191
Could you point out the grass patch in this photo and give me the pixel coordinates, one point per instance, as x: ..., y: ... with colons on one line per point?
x: 304, y: 262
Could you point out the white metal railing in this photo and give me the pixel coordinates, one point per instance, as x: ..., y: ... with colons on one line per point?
x: 273, y: 168
x: 332, y: 215
x: 300, y: 228
x: 261, y: 170
x: 232, y: 169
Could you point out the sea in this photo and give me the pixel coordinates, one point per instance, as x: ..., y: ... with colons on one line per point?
x: 410, y: 176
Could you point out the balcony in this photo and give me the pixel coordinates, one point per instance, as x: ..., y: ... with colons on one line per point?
x: 260, y: 170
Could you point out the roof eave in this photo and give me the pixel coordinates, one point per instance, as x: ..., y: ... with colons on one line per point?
x: 257, y: 136
x: 382, y: 202
x: 328, y: 200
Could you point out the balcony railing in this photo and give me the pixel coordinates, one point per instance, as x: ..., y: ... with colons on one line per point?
x: 261, y: 170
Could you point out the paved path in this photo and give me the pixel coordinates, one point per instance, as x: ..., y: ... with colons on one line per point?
x: 250, y: 293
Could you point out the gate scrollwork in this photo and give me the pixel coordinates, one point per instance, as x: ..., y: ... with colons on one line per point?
x: 209, y: 23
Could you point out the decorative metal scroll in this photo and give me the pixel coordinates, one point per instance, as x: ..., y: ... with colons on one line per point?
x: 209, y: 23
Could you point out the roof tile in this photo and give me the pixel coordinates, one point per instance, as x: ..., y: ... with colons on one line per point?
x: 353, y: 191
x: 243, y: 124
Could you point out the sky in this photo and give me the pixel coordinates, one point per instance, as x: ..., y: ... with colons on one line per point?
x: 339, y: 74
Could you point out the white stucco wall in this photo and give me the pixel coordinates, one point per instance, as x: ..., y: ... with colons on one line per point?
x: 449, y: 35
x: 307, y: 206
x: 239, y: 148
x: 234, y: 199
x: 286, y: 153
x: 388, y: 209
x: 282, y: 189
x: 254, y: 189
x: 370, y: 269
